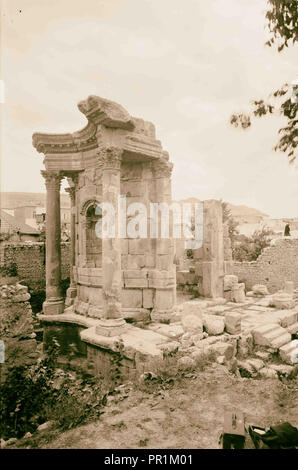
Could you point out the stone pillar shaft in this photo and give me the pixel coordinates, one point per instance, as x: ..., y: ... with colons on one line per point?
x: 54, y: 302
x: 72, y: 290
x: 111, y: 247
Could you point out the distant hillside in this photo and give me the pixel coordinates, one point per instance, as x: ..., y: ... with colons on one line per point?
x: 10, y: 200
x: 241, y: 214
x: 13, y: 200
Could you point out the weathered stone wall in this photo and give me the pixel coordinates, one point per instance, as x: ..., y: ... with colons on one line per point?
x: 30, y: 261
x: 16, y: 327
x: 278, y: 263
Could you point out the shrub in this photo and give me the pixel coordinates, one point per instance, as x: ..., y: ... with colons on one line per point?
x: 10, y: 270
x: 34, y: 394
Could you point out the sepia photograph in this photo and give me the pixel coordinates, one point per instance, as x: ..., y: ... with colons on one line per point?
x: 148, y: 229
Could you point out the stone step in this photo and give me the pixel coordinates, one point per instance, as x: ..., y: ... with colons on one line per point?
x: 293, y: 329
x: 271, y: 335
x: 289, y: 352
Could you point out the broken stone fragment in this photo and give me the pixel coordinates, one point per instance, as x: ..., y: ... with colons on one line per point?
x: 268, y: 373
x: 214, y: 325
x: 282, y: 300
x: 289, y: 352
x: 256, y: 364
x: 192, y: 324
x: 230, y: 280
x: 259, y: 289
x: 21, y: 298
x: 238, y: 293
x: 223, y: 349
x: 233, y: 323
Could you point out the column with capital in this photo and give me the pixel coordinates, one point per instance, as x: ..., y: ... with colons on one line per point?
x: 54, y: 303
x: 72, y: 290
x: 164, y: 279
x: 112, y: 324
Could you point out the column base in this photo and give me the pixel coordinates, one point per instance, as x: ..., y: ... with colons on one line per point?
x: 55, y: 307
x: 111, y: 327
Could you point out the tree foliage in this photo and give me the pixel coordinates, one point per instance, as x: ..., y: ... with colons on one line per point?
x: 282, y: 18
x: 249, y: 248
x: 228, y: 219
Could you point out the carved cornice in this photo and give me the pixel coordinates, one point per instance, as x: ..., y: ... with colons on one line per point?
x: 84, y: 139
x: 110, y: 158
x: 162, y: 168
x: 110, y: 114
x: 52, y: 179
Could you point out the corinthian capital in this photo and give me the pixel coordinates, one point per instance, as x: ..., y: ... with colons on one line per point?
x: 72, y: 193
x: 52, y: 179
x: 110, y: 158
x: 162, y: 168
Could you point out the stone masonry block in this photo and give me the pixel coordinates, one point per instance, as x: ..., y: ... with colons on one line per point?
x: 271, y: 335
x: 148, y: 298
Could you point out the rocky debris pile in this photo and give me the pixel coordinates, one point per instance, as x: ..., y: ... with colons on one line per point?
x: 214, y: 327
x: 16, y: 326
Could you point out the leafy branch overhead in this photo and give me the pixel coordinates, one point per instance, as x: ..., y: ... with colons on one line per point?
x: 282, y: 17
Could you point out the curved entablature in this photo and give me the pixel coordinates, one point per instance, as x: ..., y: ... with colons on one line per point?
x: 108, y: 124
x: 85, y: 139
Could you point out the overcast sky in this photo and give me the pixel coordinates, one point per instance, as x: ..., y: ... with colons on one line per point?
x: 184, y: 65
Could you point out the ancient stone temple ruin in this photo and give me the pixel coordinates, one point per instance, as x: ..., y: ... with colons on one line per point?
x: 122, y: 294
x: 118, y: 278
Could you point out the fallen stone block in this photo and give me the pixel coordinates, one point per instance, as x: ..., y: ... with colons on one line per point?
x: 214, y: 325
x: 21, y: 298
x: 233, y: 323
x: 245, y: 369
x: 223, y: 349
x: 238, y: 293
x: 259, y: 290
x: 289, y: 352
x: 271, y: 335
x: 268, y: 373
x: 170, y: 331
x: 245, y: 345
x: 192, y: 324
x: 293, y: 329
x: 282, y: 301
x: 281, y: 368
x: 256, y: 364
x: 263, y: 355
x: 288, y: 318
x: 229, y: 281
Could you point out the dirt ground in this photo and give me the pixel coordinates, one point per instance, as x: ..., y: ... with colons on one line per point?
x: 187, y: 415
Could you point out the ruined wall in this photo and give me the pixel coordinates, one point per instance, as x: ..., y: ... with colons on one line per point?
x: 278, y: 263
x: 16, y: 327
x: 30, y: 261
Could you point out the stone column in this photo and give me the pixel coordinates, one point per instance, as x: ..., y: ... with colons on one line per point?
x: 71, y: 292
x: 54, y: 303
x: 113, y: 323
x: 213, y: 250
x: 164, y: 277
